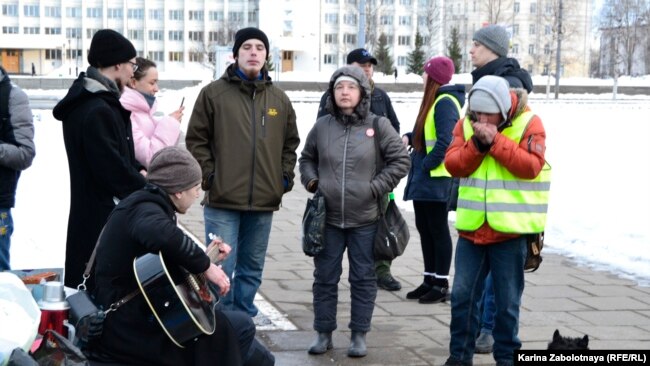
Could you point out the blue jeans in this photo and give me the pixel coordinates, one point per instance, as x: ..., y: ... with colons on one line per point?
x: 247, y: 232
x: 487, y: 321
x: 473, y: 262
x: 327, y: 274
x: 6, y: 229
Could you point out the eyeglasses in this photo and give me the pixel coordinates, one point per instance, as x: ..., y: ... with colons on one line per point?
x: 134, y: 65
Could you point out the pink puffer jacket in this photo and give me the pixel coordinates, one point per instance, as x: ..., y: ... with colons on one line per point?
x: 150, y: 133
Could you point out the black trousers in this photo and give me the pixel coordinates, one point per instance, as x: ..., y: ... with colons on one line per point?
x: 431, y: 222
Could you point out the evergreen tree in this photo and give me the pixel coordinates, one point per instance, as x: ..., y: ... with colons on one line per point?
x: 270, y: 66
x: 384, y: 61
x: 415, y: 59
x: 453, y: 49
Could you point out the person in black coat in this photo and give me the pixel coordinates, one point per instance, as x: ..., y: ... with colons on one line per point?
x: 99, y: 146
x: 145, y: 222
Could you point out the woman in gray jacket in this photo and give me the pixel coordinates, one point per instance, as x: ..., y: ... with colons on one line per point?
x: 339, y: 160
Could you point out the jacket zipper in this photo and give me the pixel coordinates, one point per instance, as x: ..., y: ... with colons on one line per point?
x: 345, y: 154
x: 250, y: 187
x: 264, y: 118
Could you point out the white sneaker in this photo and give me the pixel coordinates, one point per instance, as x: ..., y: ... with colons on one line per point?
x: 260, y: 320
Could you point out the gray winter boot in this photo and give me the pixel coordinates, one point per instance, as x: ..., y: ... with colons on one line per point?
x: 357, y: 345
x: 321, y: 344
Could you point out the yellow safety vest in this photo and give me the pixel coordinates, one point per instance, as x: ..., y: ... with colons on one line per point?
x: 430, y: 136
x: 508, y: 203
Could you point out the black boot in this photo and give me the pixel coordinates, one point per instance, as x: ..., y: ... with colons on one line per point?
x: 439, y: 292
x: 425, y: 287
x: 321, y: 344
x: 418, y: 292
x: 357, y: 344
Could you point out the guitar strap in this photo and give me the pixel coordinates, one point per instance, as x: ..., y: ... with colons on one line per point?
x: 86, y: 275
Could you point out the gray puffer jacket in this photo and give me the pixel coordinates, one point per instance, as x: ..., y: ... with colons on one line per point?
x: 340, y: 155
x: 16, y: 141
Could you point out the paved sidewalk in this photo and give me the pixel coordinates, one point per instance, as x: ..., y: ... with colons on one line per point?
x: 614, y: 312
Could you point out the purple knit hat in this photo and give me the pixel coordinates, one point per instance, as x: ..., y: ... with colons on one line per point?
x: 440, y: 69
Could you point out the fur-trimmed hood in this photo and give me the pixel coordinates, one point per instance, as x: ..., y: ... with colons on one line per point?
x: 363, y: 108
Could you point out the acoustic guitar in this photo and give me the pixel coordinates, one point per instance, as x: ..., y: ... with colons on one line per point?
x: 182, y: 303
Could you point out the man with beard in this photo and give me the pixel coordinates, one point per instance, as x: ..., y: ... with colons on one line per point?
x: 99, y: 145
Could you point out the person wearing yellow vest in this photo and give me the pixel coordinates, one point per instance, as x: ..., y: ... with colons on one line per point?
x: 429, y: 183
x: 498, y: 152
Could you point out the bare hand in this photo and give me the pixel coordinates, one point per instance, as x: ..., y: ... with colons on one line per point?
x: 143, y: 172
x: 484, y: 132
x: 405, y: 140
x: 178, y: 114
x: 217, y: 276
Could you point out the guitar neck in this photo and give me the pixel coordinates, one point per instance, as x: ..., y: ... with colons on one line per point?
x: 213, y: 254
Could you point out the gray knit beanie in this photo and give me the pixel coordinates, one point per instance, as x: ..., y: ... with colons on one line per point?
x: 490, y: 94
x: 494, y: 37
x: 174, y: 170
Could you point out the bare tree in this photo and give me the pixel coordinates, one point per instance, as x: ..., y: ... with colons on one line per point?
x: 374, y: 11
x: 431, y: 13
x: 223, y: 35
x: 622, y: 24
x: 547, y: 33
x: 497, y: 10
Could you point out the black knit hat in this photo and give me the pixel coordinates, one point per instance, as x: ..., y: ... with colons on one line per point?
x: 174, y: 170
x: 109, y: 48
x: 245, y: 34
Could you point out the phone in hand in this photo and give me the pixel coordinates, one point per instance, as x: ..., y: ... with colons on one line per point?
x: 182, y: 101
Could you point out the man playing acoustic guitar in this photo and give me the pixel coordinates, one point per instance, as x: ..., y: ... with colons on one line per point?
x: 144, y: 224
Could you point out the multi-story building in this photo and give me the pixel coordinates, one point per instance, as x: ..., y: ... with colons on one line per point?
x: 305, y: 35
x: 56, y: 34
x: 318, y: 34
x: 533, y: 26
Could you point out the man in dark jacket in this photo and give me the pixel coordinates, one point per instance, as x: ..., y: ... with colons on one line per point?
x: 145, y: 222
x: 16, y: 154
x: 99, y: 145
x: 489, y: 55
x: 243, y: 133
x: 380, y: 105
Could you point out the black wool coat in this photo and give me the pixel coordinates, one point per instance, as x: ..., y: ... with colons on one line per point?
x: 101, y: 160
x: 142, y: 223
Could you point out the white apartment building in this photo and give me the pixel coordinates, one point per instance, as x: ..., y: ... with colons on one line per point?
x: 56, y: 34
x: 316, y: 35
x: 305, y: 35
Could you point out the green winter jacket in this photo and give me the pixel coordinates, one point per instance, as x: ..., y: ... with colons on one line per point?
x: 244, y: 136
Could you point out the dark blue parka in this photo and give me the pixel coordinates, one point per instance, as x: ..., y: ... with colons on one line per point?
x: 420, y: 186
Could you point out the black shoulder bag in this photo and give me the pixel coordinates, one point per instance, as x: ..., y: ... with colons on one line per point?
x: 86, y: 317
x: 392, y: 231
